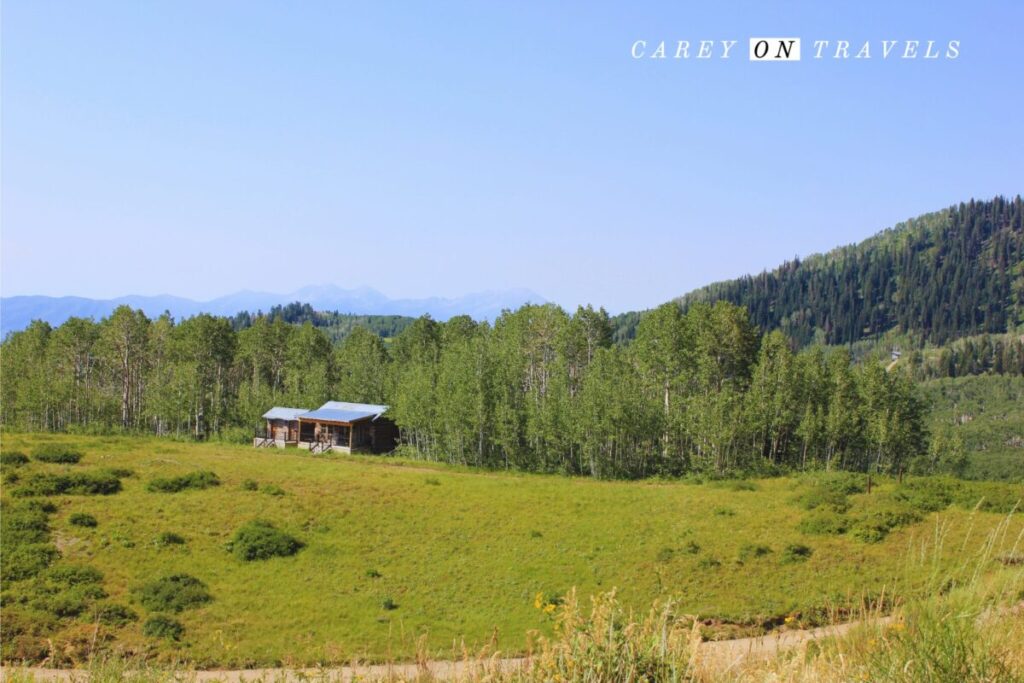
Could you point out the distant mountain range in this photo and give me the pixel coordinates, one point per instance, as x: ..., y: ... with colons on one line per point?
x: 16, y: 312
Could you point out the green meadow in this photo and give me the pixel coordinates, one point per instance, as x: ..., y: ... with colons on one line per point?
x: 398, y: 557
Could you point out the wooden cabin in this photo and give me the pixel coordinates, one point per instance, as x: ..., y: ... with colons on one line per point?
x: 336, y: 426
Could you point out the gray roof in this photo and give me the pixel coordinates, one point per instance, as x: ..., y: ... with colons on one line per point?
x: 279, y: 413
x: 375, y: 409
x: 341, y: 411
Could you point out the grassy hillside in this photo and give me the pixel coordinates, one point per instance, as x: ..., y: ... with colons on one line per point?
x: 396, y: 551
x: 988, y: 410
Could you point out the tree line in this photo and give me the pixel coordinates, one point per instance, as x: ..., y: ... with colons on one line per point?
x: 942, y: 276
x: 539, y: 390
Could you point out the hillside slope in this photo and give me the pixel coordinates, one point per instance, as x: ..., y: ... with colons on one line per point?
x: 387, y: 569
x: 942, y: 276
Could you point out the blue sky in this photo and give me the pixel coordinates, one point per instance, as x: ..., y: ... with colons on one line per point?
x: 421, y: 149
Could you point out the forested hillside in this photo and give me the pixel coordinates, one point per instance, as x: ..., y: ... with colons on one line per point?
x: 336, y: 325
x: 540, y: 390
x: 941, y: 276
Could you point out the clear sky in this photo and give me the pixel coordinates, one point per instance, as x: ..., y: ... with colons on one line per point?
x: 199, y: 148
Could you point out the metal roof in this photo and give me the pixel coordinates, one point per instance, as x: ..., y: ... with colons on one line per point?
x: 334, y: 415
x: 279, y: 413
x: 369, y: 408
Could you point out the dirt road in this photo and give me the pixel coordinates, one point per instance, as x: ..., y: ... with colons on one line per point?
x: 721, y: 656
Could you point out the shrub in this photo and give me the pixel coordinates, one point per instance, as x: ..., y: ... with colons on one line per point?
x: 796, y: 552
x: 13, y: 459
x: 824, y: 497
x: 83, y: 519
x: 55, y: 453
x: 928, y: 495
x: 846, y: 483
x: 250, y: 485
x: 708, y: 563
x: 119, y: 472
x: 79, y: 483
x: 1001, y: 498
x: 825, y: 523
x: 373, y: 574
x: 272, y: 490
x: 194, y: 480
x: 24, y: 524
x: 159, y: 626
x: 666, y: 554
x: 174, y: 593
x: 24, y: 561
x: 749, y: 551
x: 724, y: 512
x: 261, y: 540
x: 169, y: 538
x: 691, y: 548
x: 75, y: 575
x: 876, y: 525
x: 388, y: 604
x: 111, y: 614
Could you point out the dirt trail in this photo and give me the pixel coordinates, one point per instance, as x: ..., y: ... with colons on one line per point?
x: 721, y: 656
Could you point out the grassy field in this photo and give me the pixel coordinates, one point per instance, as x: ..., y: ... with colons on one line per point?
x: 395, y: 552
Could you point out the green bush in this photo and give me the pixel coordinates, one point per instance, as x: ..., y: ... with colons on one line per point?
x: 796, y: 552
x: 824, y: 523
x: 388, y: 604
x: 169, y: 538
x: 272, y: 490
x: 846, y: 483
x: 159, y: 626
x: 750, y: 551
x: 194, y: 480
x: 824, y: 497
x: 708, y: 563
x: 261, y: 540
x: 373, y: 574
x: 119, y: 472
x: 250, y: 485
x: 991, y: 497
x: 876, y: 525
x: 24, y: 561
x: 724, y: 512
x: 56, y: 453
x: 691, y: 548
x: 13, y: 459
x: 927, y: 495
x: 24, y: 524
x: 74, y: 575
x: 78, y: 483
x: 174, y: 593
x: 83, y: 519
x: 111, y: 614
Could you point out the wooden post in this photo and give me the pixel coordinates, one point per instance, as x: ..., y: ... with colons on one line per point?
x: 351, y: 433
